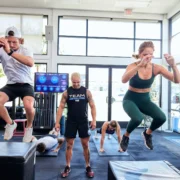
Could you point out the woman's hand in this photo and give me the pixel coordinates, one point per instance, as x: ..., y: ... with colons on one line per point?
x: 169, y: 60
x: 101, y: 150
x: 145, y: 60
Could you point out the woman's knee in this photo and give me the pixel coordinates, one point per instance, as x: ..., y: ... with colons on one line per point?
x: 162, y: 118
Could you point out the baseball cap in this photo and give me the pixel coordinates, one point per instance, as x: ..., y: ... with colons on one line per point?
x: 17, y: 33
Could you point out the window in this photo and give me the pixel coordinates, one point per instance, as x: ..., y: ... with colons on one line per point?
x: 175, y: 97
x: 175, y: 43
x: 110, y: 29
x: 32, y: 28
x: 3, y: 78
x: 75, y: 46
x: 108, y: 47
x: 93, y: 37
x: 72, y: 27
x: 148, y: 30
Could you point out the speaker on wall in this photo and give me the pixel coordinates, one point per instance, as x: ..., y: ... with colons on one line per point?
x: 49, y: 33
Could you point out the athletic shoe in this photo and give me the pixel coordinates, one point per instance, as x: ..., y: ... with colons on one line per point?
x: 89, y: 172
x: 124, y: 143
x: 9, y: 131
x: 28, y: 135
x: 66, y: 172
x: 147, y: 140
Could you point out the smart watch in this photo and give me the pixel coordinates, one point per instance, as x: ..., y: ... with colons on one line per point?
x: 10, y: 53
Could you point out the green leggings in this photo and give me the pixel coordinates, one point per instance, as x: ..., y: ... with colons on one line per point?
x: 137, y: 103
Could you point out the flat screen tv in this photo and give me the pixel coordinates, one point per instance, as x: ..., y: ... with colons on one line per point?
x: 51, y: 82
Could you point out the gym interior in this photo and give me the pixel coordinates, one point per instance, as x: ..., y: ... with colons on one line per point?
x: 97, y: 39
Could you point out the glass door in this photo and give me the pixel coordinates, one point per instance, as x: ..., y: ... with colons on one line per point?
x: 118, y: 91
x: 98, y: 84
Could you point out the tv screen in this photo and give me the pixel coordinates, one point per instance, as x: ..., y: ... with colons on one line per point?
x: 51, y: 82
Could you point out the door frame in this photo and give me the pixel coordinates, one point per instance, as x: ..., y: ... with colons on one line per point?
x: 110, y: 68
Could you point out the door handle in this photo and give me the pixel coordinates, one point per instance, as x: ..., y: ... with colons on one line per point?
x: 112, y: 100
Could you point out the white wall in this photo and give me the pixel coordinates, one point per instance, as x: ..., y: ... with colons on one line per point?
x: 175, y: 10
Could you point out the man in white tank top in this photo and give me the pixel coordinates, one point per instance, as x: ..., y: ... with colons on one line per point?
x: 17, y: 62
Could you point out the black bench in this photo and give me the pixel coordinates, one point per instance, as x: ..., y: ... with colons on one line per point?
x: 17, y: 160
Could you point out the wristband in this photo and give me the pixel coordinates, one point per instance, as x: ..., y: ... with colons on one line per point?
x: 10, y: 52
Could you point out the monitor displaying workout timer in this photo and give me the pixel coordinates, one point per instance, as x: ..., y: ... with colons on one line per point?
x: 51, y: 82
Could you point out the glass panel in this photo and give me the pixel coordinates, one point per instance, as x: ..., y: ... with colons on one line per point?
x: 3, y: 78
x: 107, y: 47
x: 118, y: 91
x: 40, y: 67
x: 32, y: 25
x: 175, y: 26
x: 175, y: 96
x: 72, y: 27
x: 72, y: 46
x: 110, y: 29
x: 175, y: 44
x: 70, y: 69
x: 8, y: 20
x: 148, y: 30
x: 157, y: 47
x: 37, y: 44
x: 155, y: 90
x: 45, y: 22
x: 98, y: 85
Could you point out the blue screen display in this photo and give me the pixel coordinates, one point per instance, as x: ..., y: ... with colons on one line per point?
x: 51, y: 82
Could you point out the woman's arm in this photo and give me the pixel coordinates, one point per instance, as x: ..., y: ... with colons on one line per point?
x: 103, y: 133
x: 131, y: 70
x: 118, y: 132
x: 175, y: 76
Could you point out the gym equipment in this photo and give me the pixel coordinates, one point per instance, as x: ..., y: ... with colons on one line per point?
x: 23, y: 122
x: 174, y: 139
x: 111, y: 147
x: 17, y: 160
x: 44, y: 111
x: 142, y: 170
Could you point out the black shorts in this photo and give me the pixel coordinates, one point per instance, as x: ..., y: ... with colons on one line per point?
x: 18, y: 90
x: 72, y: 128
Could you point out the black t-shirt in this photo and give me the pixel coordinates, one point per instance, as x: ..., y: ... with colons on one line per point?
x: 77, y: 103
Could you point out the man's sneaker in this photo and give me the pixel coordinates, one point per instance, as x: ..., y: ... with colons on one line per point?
x: 9, y: 131
x: 66, y: 172
x: 89, y: 172
x: 147, y: 140
x: 124, y: 143
x: 27, y: 135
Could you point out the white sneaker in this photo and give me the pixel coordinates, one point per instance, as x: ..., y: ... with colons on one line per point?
x: 28, y: 135
x: 53, y: 131
x: 9, y: 131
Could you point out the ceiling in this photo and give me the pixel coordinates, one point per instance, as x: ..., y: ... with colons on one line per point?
x: 138, y: 6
